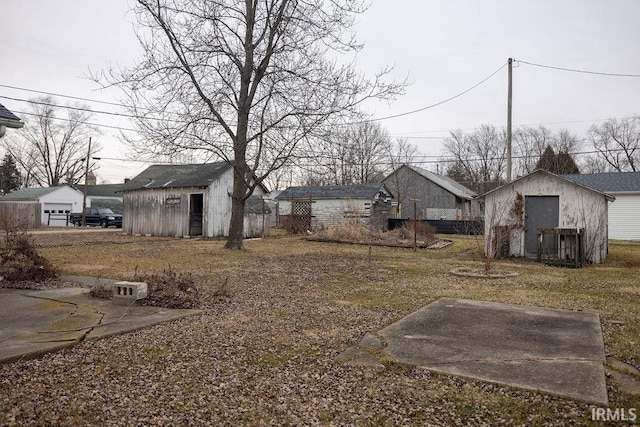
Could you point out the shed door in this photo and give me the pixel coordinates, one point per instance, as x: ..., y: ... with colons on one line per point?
x: 196, y: 206
x: 539, y: 212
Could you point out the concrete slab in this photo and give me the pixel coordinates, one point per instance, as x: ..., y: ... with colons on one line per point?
x: 33, y: 322
x: 555, y: 351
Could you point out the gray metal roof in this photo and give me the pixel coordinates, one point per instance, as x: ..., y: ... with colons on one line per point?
x: 610, y: 182
x: 102, y: 190
x: 354, y: 191
x: 30, y: 193
x: 175, y: 176
x: 254, y: 205
x: 7, y: 118
x: 447, y: 183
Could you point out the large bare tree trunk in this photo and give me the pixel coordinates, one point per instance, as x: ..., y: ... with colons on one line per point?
x: 236, y: 226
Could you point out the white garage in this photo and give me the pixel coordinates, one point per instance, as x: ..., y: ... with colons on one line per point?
x: 56, y: 202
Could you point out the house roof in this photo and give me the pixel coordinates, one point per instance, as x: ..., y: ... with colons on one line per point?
x: 7, y: 118
x: 545, y: 172
x: 31, y: 193
x: 445, y: 182
x: 353, y: 191
x: 255, y: 204
x: 102, y: 190
x: 174, y: 176
x: 610, y: 182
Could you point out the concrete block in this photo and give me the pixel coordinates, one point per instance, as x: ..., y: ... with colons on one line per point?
x: 126, y: 293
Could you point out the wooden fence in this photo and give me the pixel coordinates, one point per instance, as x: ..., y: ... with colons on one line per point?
x: 21, y: 215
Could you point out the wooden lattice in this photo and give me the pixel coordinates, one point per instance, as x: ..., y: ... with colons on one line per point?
x: 300, y: 220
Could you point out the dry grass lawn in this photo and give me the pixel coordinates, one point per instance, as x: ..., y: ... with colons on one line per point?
x: 265, y: 353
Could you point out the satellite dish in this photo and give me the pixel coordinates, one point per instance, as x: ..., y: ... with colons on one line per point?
x: 3, y: 130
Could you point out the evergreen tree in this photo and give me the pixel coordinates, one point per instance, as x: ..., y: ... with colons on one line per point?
x: 561, y: 163
x: 9, y: 175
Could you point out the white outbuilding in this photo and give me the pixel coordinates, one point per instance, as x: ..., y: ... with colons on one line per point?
x: 543, y: 215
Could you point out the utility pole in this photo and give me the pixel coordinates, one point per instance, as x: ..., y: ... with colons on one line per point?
x: 509, y: 97
x: 84, y: 196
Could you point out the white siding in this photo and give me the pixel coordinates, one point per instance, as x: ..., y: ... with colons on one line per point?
x: 333, y: 212
x: 579, y: 208
x: 624, y: 217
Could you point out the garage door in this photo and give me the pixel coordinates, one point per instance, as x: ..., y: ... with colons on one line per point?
x: 55, y: 213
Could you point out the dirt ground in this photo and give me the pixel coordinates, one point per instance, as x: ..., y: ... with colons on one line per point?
x: 263, y: 354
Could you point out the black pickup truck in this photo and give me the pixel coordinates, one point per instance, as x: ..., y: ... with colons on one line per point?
x: 104, y: 217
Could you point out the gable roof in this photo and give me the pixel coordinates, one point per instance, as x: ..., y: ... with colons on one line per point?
x: 8, y: 119
x: 175, y: 176
x: 445, y: 182
x: 609, y: 182
x: 353, y: 191
x: 546, y: 172
x: 31, y: 193
x: 102, y: 190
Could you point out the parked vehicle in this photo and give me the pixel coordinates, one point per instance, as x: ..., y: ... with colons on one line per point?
x: 104, y: 217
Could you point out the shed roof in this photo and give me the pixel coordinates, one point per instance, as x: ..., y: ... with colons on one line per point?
x: 31, y: 193
x: 545, y: 172
x: 353, y: 191
x: 445, y: 182
x: 255, y: 205
x: 175, y: 176
x: 609, y: 182
x: 7, y: 118
x: 102, y: 190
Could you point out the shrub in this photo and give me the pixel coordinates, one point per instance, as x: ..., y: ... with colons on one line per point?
x: 171, y: 289
x: 20, y: 261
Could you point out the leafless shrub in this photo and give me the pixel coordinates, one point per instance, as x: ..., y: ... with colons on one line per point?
x: 423, y: 231
x: 171, y: 289
x: 101, y: 291
x: 19, y: 259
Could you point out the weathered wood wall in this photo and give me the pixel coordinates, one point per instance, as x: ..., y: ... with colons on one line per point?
x: 23, y: 215
x: 158, y: 212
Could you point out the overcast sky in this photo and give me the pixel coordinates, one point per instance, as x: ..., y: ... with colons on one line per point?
x: 443, y: 47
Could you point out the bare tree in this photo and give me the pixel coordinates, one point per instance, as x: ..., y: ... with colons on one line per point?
x: 531, y: 143
x: 618, y: 143
x: 245, y: 81
x: 480, y: 156
x: 354, y: 154
x: 51, y: 148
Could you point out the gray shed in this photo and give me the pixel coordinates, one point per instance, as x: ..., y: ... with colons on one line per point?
x: 517, y: 211
x: 188, y: 200
x: 437, y: 196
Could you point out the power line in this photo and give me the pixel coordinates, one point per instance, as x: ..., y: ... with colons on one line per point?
x: 438, y: 103
x: 62, y: 96
x: 69, y: 120
x: 573, y: 70
x: 88, y: 110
